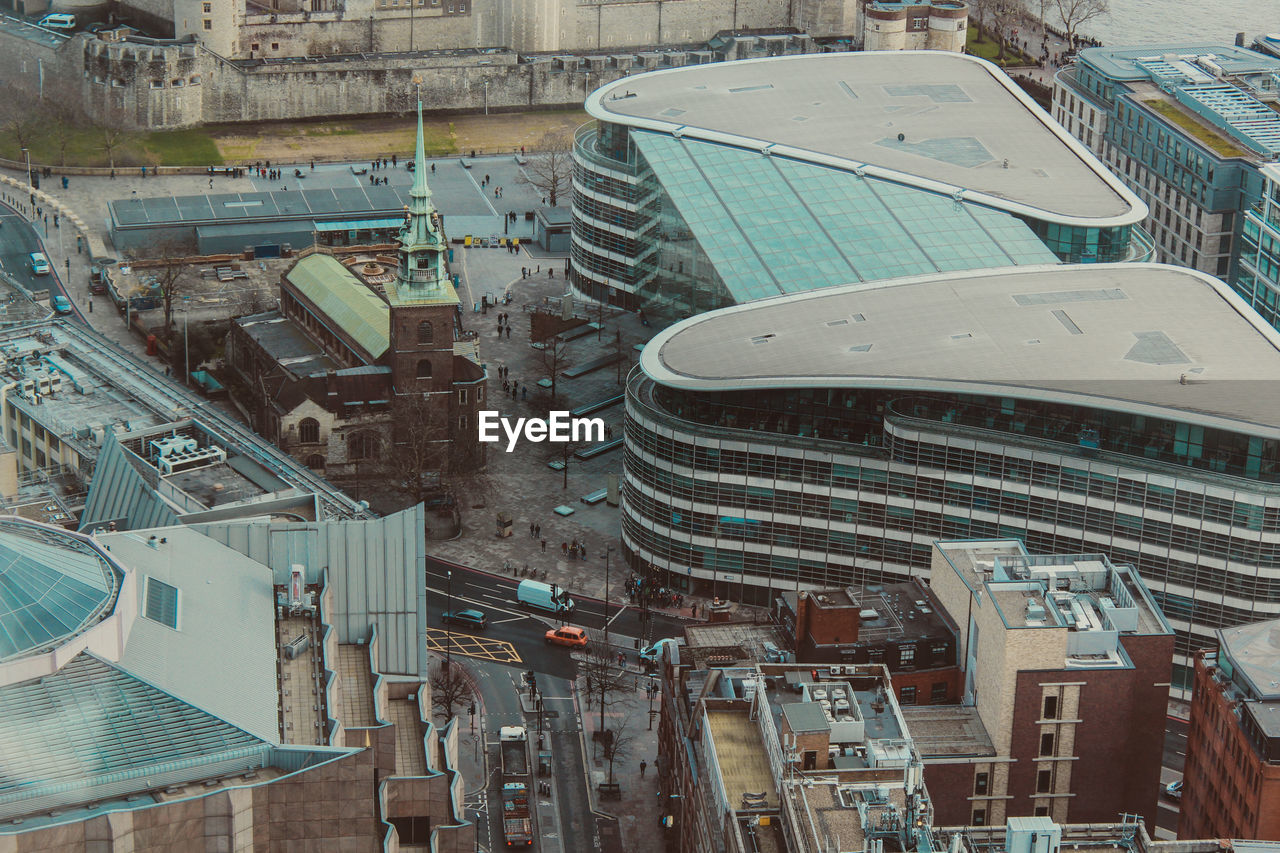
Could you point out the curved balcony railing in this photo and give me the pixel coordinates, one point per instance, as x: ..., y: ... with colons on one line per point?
x: 934, y: 416
x: 640, y: 393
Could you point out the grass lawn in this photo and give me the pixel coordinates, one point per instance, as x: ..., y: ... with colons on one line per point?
x: 989, y: 48
x: 1219, y: 143
x: 298, y: 142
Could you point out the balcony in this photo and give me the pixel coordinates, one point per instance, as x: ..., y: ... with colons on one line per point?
x: 935, y: 417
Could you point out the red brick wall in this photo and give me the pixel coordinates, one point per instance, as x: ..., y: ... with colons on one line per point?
x: 1230, y: 791
x: 1121, y: 738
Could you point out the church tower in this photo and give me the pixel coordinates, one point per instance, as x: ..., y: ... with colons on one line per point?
x: 422, y: 299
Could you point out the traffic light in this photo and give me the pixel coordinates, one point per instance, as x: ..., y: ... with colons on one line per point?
x: 472, y: 709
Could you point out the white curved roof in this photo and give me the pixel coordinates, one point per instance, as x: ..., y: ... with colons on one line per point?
x: 965, y: 126
x: 1119, y: 336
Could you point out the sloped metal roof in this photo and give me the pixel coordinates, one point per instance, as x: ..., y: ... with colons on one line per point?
x: 341, y: 297
x: 51, y: 587
x: 92, y: 726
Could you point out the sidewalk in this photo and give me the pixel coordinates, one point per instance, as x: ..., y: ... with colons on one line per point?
x: 637, y: 810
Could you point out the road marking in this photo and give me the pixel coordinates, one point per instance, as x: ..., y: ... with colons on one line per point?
x: 469, y: 645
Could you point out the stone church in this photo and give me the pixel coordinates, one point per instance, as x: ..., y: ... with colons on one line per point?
x: 346, y: 377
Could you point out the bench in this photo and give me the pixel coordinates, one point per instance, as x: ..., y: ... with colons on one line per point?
x: 598, y: 406
x: 563, y: 510
x: 597, y: 449
x: 592, y: 365
x: 544, y: 383
x: 595, y: 497
x: 466, y: 164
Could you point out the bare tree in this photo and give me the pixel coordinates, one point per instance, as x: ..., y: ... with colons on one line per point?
x: 170, y: 270
x: 620, y: 353
x: 450, y: 690
x: 555, y: 358
x: 21, y: 121
x: 605, y: 679
x: 66, y: 118
x: 618, y: 743
x: 420, y: 444
x: 1005, y: 16
x: 1075, y: 13
x: 550, y: 168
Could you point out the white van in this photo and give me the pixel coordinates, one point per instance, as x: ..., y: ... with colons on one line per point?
x: 58, y: 21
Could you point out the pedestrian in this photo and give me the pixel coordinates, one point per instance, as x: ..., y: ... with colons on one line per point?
x: 622, y: 659
x: 644, y: 765
x: 393, y: 160
x: 583, y: 548
x: 486, y: 179
x: 544, y: 545
x: 564, y: 547
x: 693, y: 613
x: 313, y: 165
x: 211, y: 183
x: 508, y: 333
x: 113, y: 174
x: 524, y: 392
x: 433, y: 168
x: 495, y: 193
x: 537, y: 530
x: 531, y: 528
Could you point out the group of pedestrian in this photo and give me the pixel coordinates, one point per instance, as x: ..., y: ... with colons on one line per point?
x: 378, y: 181
x: 504, y: 322
x: 574, y: 550
x: 269, y: 174
x: 535, y: 530
x: 381, y: 163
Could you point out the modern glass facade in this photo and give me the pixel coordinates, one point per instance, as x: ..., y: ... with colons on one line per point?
x: 677, y: 226
x: 748, y: 492
x: 1257, y: 276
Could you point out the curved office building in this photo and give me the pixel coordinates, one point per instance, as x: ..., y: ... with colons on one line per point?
x: 829, y: 438
x: 713, y: 185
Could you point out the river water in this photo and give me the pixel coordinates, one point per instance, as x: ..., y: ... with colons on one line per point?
x: 1172, y: 21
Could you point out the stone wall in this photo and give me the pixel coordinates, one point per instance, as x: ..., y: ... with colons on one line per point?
x: 136, y: 86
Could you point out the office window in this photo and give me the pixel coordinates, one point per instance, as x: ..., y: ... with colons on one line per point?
x: 907, y: 655
x: 1050, y: 708
x: 981, y: 784
x: 907, y: 695
x: 208, y: 7
x: 462, y: 424
x: 1044, y: 781
x: 308, y: 430
x: 1046, y: 743
x: 979, y: 817
x: 1042, y: 811
x: 462, y: 396
x: 162, y: 603
x: 938, y: 694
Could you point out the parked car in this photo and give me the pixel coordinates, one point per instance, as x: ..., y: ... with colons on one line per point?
x: 61, y: 304
x: 61, y: 22
x: 468, y: 618
x: 567, y: 636
x: 1173, y: 790
x: 39, y: 263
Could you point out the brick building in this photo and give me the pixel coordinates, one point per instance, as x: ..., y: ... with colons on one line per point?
x: 1066, y: 663
x: 345, y: 371
x: 1232, y: 774
x: 899, y: 625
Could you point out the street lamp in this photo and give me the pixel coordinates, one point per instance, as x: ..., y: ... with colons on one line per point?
x: 448, y: 635
x: 486, y: 97
x: 607, y: 552
x: 28, y: 156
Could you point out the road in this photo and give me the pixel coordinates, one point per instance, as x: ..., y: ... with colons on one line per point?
x: 496, y: 596
x: 566, y: 820
x: 1175, y: 757
x: 18, y: 239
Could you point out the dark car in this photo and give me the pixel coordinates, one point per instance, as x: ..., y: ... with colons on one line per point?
x: 466, y: 618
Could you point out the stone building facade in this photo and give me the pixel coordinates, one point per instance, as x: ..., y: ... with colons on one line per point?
x: 224, y: 64
x: 344, y: 377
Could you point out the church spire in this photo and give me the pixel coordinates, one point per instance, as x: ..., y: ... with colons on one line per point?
x: 422, y: 270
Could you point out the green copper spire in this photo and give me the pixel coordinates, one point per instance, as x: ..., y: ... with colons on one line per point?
x: 422, y: 270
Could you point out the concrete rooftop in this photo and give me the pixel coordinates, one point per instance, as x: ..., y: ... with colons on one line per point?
x: 935, y: 119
